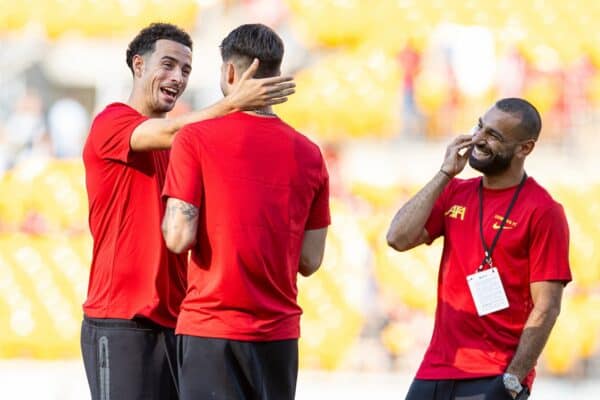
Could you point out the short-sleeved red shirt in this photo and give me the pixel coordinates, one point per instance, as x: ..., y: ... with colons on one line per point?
x: 132, y: 272
x: 259, y: 185
x: 533, y: 247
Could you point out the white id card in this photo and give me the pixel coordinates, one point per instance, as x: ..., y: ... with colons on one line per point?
x: 487, y: 291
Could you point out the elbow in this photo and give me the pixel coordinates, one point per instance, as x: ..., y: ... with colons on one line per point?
x: 180, y: 246
x: 546, y: 315
x: 307, y: 271
x: 397, y: 241
x: 177, y: 243
x: 176, y: 247
x: 310, y: 265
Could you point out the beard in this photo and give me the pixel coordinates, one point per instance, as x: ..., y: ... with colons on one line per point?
x: 164, y: 108
x: 494, y: 165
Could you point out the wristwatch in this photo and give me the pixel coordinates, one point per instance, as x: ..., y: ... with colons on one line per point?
x: 511, y: 383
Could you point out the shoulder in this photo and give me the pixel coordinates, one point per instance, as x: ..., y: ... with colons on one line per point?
x: 542, y: 204
x: 539, y: 193
x: 116, y: 110
x: 207, y: 127
x: 306, y: 146
x: 190, y: 134
x: 114, y: 114
x: 458, y: 186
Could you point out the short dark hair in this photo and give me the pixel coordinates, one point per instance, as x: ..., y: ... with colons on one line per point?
x: 251, y: 41
x: 145, y: 41
x: 531, y: 122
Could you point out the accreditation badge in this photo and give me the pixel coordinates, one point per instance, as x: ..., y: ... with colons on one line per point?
x: 487, y: 291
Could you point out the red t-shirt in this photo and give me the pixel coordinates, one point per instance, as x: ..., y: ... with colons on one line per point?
x: 259, y: 185
x: 132, y: 272
x: 533, y: 247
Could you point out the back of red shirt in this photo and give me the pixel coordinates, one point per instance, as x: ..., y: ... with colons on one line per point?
x: 132, y: 272
x: 259, y: 185
x: 533, y: 247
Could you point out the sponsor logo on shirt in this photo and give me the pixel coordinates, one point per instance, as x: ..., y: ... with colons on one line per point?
x: 498, y: 220
x: 456, y: 211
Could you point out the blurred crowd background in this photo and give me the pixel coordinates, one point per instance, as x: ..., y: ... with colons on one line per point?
x: 382, y: 86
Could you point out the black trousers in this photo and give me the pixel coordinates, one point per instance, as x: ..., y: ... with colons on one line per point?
x: 221, y: 369
x: 491, y: 388
x: 129, y: 359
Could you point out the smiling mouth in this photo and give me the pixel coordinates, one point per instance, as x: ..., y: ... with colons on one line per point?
x: 169, y: 92
x: 481, y: 152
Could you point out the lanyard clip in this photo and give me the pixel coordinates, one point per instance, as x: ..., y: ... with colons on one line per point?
x: 488, y: 260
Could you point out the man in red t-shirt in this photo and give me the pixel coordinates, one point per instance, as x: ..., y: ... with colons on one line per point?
x: 136, y: 285
x: 504, y: 264
x: 249, y: 195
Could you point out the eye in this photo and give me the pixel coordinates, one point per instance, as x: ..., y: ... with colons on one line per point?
x: 186, y: 72
x: 494, y: 136
x: 168, y: 65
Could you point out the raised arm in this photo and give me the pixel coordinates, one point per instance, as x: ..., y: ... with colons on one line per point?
x: 248, y: 94
x: 180, y: 225
x: 313, y: 248
x: 407, y: 229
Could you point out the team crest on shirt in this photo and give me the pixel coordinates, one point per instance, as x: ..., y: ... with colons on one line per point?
x: 456, y: 212
x: 498, y: 221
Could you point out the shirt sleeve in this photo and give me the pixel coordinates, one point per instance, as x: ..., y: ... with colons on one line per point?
x: 112, y: 132
x: 435, y: 223
x: 319, y: 216
x: 549, y: 246
x: 184, y: 174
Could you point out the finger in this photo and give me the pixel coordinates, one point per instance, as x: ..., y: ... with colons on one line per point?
x: 465, y: 151
x: 462, y: 139
x: 464, y: 145
x: 461, y: 143
x: 280, y: 93
x: 280, y: 87
x: 249, y: 73
x: 279, y: 100
x: 275, y: 80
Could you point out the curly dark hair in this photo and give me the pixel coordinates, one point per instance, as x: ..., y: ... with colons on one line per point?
x: 145, y: 41
x: 254, y: 41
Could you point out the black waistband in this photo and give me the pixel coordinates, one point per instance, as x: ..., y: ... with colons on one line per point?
x: 135, y: 323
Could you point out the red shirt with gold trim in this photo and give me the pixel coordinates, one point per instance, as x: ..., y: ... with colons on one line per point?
x: 533, y: 246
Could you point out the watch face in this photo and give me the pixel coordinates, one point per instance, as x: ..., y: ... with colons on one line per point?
x: 511, y: 382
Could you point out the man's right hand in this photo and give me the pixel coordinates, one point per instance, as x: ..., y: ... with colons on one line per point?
x: 455, y: 160
x: 250, y: 93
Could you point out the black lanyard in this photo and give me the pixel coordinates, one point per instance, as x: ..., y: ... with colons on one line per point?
x: 487, y: 258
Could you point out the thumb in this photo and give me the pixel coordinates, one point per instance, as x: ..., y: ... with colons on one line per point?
x: 249, y: 73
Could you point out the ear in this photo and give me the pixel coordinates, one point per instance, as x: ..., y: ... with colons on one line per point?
x: 526, y: 148
x: 137, y: 62
x: 230, y: 73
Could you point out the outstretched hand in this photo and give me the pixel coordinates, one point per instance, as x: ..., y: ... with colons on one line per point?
x: 456, y: 159
x: 250, y: 93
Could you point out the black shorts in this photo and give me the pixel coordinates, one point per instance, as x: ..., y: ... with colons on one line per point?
x: 491, y: 388
x: 221, y: 369
x: 129, y: 359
